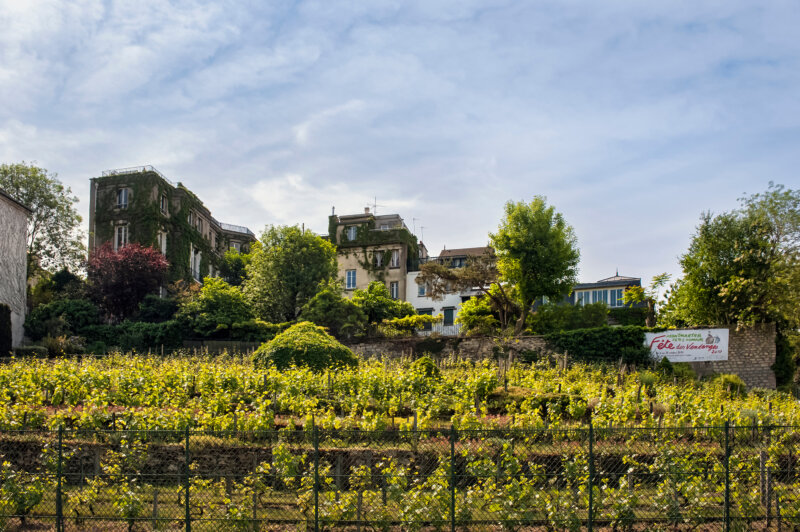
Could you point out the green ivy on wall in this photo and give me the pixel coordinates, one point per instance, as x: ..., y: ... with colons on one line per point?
x: 145, y: 220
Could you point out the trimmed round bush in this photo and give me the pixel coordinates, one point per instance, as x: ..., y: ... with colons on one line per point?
x: 426, y: 366
x: 304, y: 344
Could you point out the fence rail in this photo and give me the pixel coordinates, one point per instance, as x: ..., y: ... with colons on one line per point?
x: 588, y: 478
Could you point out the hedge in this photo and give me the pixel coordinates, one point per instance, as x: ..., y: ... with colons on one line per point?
x: 602, y: 343
x: 130, y: 335
x: 629, y: 316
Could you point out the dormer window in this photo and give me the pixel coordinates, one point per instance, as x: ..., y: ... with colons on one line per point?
x: 351, y: 233
x: 122, y: 198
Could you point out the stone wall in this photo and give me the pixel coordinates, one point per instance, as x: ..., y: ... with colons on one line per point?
x: 13, y: 264
x: 751, y: 354
x: 751, y: 351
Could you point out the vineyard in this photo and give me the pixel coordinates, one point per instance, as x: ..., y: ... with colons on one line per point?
x: 144, y: 443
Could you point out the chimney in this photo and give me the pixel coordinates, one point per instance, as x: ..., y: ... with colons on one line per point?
x: 366, y: 210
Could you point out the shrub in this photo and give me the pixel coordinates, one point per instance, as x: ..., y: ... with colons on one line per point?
x: 628, y: 316
x: 407, y: 325
x: 139, y: 336
x: 602, y: 343
x: 731, y: 383
x: 215, y: 309
x: 553, y: 317
x: 304, y: 344
x: 155, y: 309
x: 61, y: 317
x: 63, y: 345
x: 30, y: 351
x: 341, y: 316
x: 5, y: 330
x: 426, y: 366
x: 257, y: 330
x: 477, y: 318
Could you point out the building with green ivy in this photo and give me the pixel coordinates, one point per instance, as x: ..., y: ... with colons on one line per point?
x: 141, y: 205
x: 374, y: 248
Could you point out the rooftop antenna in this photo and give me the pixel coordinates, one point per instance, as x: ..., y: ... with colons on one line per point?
x: 422, y: 233
x: 617, y: 271
x: 375, y: 205
x: 414, y: 224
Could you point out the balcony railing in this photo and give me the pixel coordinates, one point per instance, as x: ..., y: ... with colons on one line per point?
x: 136, y: 170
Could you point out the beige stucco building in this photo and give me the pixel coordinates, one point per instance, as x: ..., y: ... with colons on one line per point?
x: 374, y: 248
x: 13, y: 262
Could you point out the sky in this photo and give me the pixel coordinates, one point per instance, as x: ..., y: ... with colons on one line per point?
x: 632, y: 118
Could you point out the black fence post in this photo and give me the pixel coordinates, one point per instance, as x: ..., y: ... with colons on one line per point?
x: 590, y: 517
x: 187, y: 508
x: 316, y: 478
x: 453, y: 436
x: 59, y: 472
x: 727, y: 478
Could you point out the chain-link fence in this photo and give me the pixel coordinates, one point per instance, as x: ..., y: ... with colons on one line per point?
x: 589, y: 478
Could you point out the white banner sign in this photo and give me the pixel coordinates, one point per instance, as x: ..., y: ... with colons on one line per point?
x: 694, y: 345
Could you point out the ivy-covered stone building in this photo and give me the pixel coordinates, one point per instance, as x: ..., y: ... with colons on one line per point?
x: 374, y: 248
x: 141, y: 205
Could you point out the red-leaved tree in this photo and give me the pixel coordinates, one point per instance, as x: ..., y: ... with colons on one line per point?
x: 120, y: 279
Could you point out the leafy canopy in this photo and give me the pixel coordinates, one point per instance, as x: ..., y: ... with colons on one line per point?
x: 742, y: 266
x: 378, y: 305
x: 119, y: 280
x: 286, y: 271
x: 216, y: 309
x: 54, y: 237
x: 537, y: 253
x: 341, y: 316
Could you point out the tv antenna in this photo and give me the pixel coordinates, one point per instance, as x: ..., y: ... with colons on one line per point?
x: 414, y: 225
x: 375, y: 205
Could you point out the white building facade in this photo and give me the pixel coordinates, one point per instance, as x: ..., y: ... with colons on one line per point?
x: 13, y: 262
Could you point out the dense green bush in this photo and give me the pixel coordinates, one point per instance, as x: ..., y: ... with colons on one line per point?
x: 61, y: 317
x: 155, y: 309
x: 629, y: 316
x: 602, y: 343
x: 426, y: 366
x: 5, y: 330
x: 553, y: 317
x: 341, y: 316
x: 257, y: 330
x: 131, y: 335
x: 731, y: 383
x: 304, y: 344
x: 215, y: 309
x: 30, y: 351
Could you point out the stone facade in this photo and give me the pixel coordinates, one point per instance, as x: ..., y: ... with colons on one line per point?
x: 751, y: 352
x: 751, y: 355
x: 13, y: 262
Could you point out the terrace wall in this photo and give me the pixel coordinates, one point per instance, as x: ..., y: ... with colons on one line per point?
x: 751, y: 352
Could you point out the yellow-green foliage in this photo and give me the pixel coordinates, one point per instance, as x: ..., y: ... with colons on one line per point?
x: 210, y: 392
x: 304, y: 344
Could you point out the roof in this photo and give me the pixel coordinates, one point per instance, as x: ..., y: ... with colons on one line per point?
x: 10, y: 198
x: 614, y: 280
x: 466, y: 252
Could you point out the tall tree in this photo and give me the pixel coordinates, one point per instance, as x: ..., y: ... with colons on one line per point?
x: 742, y: 266
x: 119, y: 280
x: 537, y: 253
x: 54, y: 237
x: 286, y: 271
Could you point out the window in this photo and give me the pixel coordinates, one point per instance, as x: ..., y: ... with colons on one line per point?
x: 190, y: 219
x: 426, y: 312
x: 122, y: 198
x: 351, y: 232
x: 384, y: 227
x: 162, y: 242
x: 237, y: 246
x: 395, y: 259
x: 121, y: 237
x: 350, y: 280
x: 394, y: 289
x: 616, y: 298
x: 163, y: 204
x: 200, y: 225
x: 448, y: 316
x: 421, y: 290
x: 378, y: 259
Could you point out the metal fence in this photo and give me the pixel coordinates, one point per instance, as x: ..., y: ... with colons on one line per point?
x: 589, y: 478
